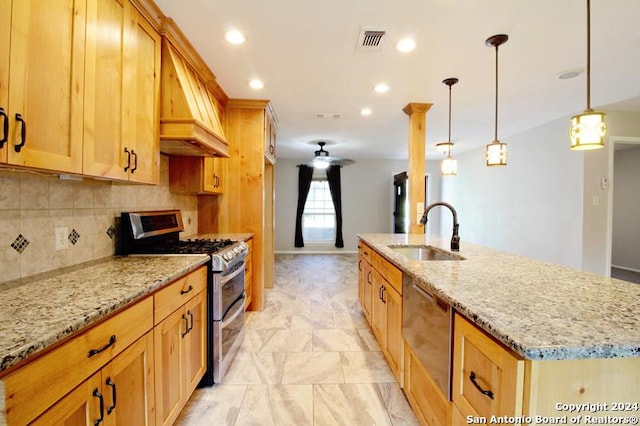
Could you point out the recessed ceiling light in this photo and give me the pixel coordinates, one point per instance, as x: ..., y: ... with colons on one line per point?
x: 256, y: 84
x: 365, y: 111
x: 567, y: 74
x: 381, y: 88
x: 234, y: 37
x: 406, y: 45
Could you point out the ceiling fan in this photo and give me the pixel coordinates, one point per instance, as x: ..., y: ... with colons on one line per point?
x: 322, y: 159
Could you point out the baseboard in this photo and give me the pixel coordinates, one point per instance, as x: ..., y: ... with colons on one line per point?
x: 316, y: 252
x: 625, y: 268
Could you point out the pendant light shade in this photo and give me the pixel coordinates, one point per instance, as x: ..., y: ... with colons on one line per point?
x: 449, y: 166
x: 496, y: 150
x: 588, y: 129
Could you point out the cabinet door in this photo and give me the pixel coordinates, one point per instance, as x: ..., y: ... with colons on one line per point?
x: 103, y: 109
x: 169, y: 363
x: 395, y: 342
x: 46, y: 82
x: 142, y: 94
x: 213, y: 175
x: 79, y: 407
x: 128, y: 385
x: 5, y: 31
x: 378, y: 309
x: 196, y: 341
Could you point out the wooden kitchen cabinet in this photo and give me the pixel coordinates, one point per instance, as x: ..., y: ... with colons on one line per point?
x: 45, y: 83
x: 270, y: 139
x: 248, y: 275
x: 5, y: 34
x: 487, y: 379
x: 365, y: 280
x: 125, y: 386
x: 251, y: 175
x: 121, y: 95
x: 196, y: 175
x: 180, y: 351
x: 42, y: 382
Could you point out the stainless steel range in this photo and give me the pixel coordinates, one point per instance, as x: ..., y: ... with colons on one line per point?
x: 157, y: 233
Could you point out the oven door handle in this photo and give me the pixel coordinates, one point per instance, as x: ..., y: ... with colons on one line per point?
x: 228, y: 321
x: 226, y: 278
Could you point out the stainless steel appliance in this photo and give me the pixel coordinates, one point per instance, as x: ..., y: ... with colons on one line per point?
x: 426, y: 327
x: 157, y: 233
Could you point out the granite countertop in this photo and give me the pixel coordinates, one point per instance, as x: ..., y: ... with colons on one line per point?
x: 540, y: 310
x: 39, y: 311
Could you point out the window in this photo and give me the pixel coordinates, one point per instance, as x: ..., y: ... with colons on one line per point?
x: 319, y: 217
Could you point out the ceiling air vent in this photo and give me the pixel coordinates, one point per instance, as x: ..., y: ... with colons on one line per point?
x: 371, y: 39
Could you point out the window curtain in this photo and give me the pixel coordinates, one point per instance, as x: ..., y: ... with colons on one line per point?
x: 333, y: 177
x: 305, y: 174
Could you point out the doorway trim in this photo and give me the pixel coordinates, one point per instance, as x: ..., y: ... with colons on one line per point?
x: 611, y: 147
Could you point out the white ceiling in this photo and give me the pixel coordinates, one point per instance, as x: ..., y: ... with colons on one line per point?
x: 305, y: 52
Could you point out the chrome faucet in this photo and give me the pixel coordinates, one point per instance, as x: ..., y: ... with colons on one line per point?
x: 455, y: 239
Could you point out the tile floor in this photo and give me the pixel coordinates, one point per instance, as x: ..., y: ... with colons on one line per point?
x: 309, y: 358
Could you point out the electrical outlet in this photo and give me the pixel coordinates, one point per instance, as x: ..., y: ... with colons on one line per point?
x: 61, y: 237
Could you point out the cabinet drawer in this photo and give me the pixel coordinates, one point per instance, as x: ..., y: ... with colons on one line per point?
x: 176, y: 294
x: 365, y: 252
x: 390, y: 273
x: 488, y: 379
x: 33, y: 388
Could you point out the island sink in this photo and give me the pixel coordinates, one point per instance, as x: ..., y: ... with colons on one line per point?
x: 424, y: 252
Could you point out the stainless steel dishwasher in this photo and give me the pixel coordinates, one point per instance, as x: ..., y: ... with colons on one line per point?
x: 426, y: 326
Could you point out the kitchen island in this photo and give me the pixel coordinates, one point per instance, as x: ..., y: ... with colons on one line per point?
x: 574, y: 337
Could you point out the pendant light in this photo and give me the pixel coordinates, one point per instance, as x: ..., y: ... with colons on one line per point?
x: 588, y: 129
x: 449, y: 166
x: 496, y: 150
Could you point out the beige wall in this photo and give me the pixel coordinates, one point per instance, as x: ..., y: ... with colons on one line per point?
x: 33, y: 205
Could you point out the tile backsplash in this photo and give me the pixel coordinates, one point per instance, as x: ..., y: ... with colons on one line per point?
x: 32, y: 206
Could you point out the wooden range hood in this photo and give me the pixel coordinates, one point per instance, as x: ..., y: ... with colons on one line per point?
x: 189, y: 123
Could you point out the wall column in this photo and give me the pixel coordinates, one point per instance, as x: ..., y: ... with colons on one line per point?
x: 417, y: 164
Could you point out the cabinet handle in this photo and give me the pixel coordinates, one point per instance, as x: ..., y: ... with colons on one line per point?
x: 186, y: 328
x: 5, y: 127
x: 191, y: 315
x: 187, y: 290
x: 135, y: 161
x: 369, y: 277
x: 112, y: 341
x: 217, y: 181
x: 384, y: 289
x: 23, y: 132
x: 113, y: 395
x: 126, y: 150
x: 359, y: 265
x: 488, y: 393
x: 98, y: 395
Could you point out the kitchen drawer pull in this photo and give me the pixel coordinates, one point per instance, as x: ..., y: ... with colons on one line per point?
x: 98, y: 395
x: 23, y: 132
x: 488, y: 393
x: 5, y: 127
x: 126, y: 150
x: 186, y: 328
x: 110, y: 383
x: 112, y: 341
x: 183, y: 292
x: 135, y: 161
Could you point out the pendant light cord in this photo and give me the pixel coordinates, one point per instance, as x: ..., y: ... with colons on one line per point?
x: 588, y: 54
x: 449, y: 146
x: 495, y: 134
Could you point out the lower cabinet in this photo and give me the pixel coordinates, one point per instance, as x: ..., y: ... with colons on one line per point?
x: 248, y: 275
x: 121, y: 393
x: 180, y: 357
x: 488, y: 380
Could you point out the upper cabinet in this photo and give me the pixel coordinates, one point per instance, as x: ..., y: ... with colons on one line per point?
x: 122, y: 84
x: 189, y: 122
x: 44, y: 83
x: 80, y: 88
